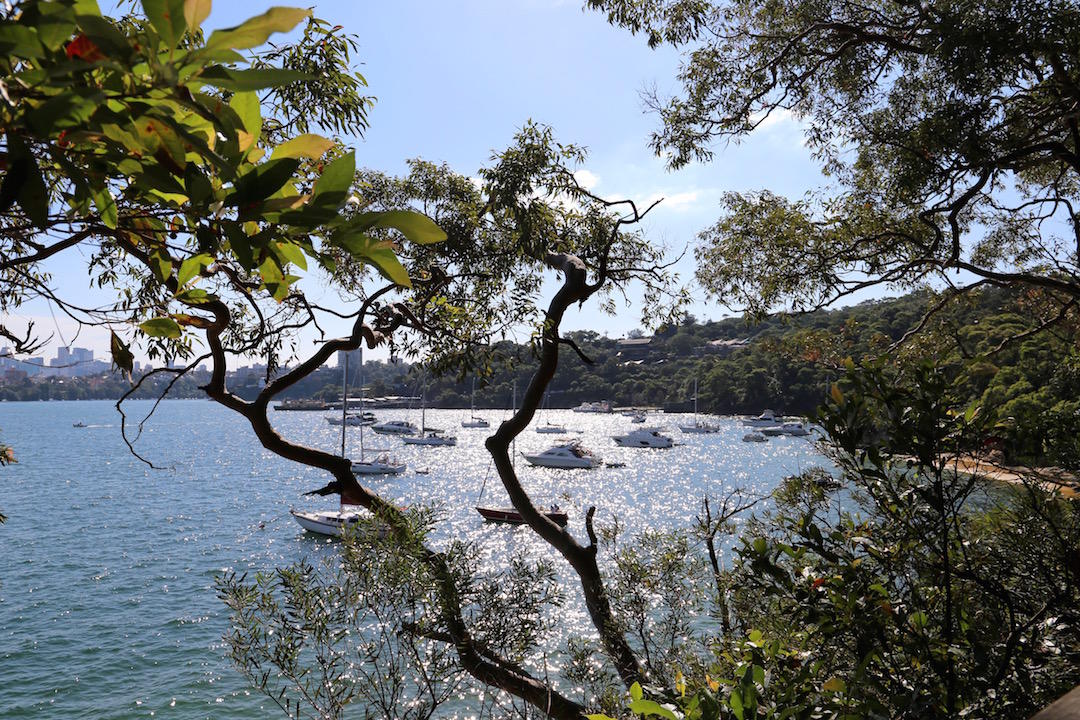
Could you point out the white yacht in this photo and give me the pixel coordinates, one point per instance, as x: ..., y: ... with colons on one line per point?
x: 643, y: 438
x: 430, y: 437
x: 395, y: 427
x: 767, y: 418
x: 567, y: 455
x: 551, y: 429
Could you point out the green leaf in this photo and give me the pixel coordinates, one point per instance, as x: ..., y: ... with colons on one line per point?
x: 255, y: 31
x: 66, y: 110
x: 635, y: 691
x: 417, y: 227
x: 599, y: 716
x: 246, y: 105
x: 261, y: 182
x: 54, y: 23
x: 19, y: 41
x: 736, y: 704
x: 23, y: 183
x: 834, y: 685
x: 649, y: 708
x: 308, y: 145
x: 167, y: 17
x: 191, y: 267
x: 106, y: 207
x: 161, y: 265
x: 161, y: 327
x: 292, y: 253
x: 248, y: 80
x: 195, y: 11
x: 122, y: 356
x: 375, y: 252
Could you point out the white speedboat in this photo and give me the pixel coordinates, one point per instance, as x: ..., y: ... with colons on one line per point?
x: 643, y: 438
x: 568, y: 455
x: 767, y: 418
x: 382, y: 464
x: 754, y: 437
x: 395, y: 427
x: 774, y: 431
x: 551, y: 429
x: 431, y: 437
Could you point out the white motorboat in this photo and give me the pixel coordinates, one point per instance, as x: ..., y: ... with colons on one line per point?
x: 767, y: 418
x: 637, y: 418
x: 395, y: 427
x: 643, y: 438
x: 754, y: 437
x: 568, y: 455
x: 431, y: 437
x: 603, y: 406
x: 353, y: 419
x: 774, y: 431
x: 473, y: 421
x: 796, y: 429
x: 551, y: 429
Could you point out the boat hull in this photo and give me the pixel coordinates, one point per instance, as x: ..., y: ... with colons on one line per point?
x: 513, y: 517
x: 561, y: 463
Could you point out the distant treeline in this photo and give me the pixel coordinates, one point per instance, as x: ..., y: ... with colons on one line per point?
x: 787, y: 364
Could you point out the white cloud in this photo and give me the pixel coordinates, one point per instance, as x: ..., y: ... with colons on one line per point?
x: 674, y: 201
x: 586, y: 179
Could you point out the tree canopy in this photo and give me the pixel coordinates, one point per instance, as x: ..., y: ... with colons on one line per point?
x: 948, y: 132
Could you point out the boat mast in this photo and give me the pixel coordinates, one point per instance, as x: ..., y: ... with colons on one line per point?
x: 695, y: 403
x: 344, y: 401
x: 361, y: 399
x: 423, y: 405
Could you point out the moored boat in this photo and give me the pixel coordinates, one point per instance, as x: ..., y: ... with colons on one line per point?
x: 643, y: 438
x: 767, y: 418
x: 754, y: 437
x: 512, y: 516
x: 395, y: 427
x: 569, y: 455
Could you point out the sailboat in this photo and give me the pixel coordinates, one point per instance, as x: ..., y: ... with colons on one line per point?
x: 427, y: 436
x: 698, y: 426
x: 333, y: 522
x: 550, y: 428
x: 510, y: 514
x: 473, y: 421
x: 383, y: 463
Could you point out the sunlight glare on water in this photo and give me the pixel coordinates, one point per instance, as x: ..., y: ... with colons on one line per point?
x: 107, y: 567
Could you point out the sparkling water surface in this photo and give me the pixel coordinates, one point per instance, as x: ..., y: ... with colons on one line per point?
x: 107, y: 566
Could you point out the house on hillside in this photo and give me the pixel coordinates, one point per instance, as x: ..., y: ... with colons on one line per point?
x: 634, y: 348
x: 726, y: 347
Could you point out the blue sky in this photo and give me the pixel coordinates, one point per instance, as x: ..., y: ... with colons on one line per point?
x: 455, y: 80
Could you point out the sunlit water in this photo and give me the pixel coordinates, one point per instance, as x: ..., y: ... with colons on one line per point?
x: 107, y: 567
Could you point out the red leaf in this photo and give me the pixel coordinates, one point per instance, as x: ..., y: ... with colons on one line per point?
x: 84, y: 49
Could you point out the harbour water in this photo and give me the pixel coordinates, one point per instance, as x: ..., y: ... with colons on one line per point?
x: 107, y: 566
